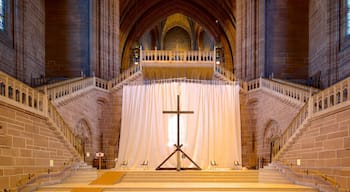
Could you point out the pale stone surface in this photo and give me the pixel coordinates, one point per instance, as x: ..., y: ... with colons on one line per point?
x: 24, y: 149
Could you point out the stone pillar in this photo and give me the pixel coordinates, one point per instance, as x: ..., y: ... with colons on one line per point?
x: 105, y: 38
x: 250, y: 39
x: 287, y: 39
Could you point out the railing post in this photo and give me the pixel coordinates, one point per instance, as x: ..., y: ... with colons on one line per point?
x: 260, y: 82
x: 245, y: 86
x: 94, y: 81
x: 155, y: 54
x: 310, y: 103
x: 141, y: 56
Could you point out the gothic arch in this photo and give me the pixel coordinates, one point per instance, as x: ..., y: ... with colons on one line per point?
x: 271, y: 131
x: 83, y: 131
x: 145, y: 16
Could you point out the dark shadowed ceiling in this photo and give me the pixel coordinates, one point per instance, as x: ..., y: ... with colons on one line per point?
x: 215, y: 16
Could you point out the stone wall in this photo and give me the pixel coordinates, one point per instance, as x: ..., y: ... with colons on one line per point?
x: 27, y: 145
x: 248, y: 126
x: 329, y: 50
x: 267, y: 116
x: 287, y: 39
x: 89, y: 107
x: 324, y: 145
x: 22, y: 52
x: 67, y: 38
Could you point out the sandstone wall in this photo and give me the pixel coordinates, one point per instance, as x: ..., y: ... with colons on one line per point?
x: 27, y: 145
x: 22, y: 48
x: 264, y: 117
x: 329, y: 52
x: 324, y: 145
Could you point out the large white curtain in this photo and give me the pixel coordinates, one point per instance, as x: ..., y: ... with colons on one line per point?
x: 211, y: 133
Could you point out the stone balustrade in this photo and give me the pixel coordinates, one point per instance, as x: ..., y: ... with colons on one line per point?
x: 18, y: 94
x: 331, y: 97
x: 124, y: 76
x: 284, y: 90
x: 335, y: 96
x: 176, y: 56
x: 228, y: 75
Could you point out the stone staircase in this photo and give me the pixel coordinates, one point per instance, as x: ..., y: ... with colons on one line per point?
x: 248, y: 176
x: 269, y: 174
x: 84, y: 175
x: 185, y: 181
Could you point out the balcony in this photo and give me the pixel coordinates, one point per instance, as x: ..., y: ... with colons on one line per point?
x: 162, y: 64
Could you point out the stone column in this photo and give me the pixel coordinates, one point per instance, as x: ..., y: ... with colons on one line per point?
x: 250, y: 39
x: 105, y: 38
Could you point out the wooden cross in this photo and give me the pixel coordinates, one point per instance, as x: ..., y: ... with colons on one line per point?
x: 178, y: 146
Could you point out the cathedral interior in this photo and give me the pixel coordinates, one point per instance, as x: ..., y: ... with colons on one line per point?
x: 64, y: 64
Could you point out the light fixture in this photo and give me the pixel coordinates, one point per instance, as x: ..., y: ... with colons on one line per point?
x: 213, y: 163
x: 124, y: 164
x: 144, y: 164
x: 217, y: 55
x: 136, y: 55
x: 236, y: 163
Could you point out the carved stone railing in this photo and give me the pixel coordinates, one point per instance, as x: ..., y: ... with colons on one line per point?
x: 33, y: 181
x: 125, y: 76
x: 300, y: 86
x: 332, y: 97
x: 54, y: 81
x: 329, y: 99
x: 280, y: 89
x: 226, y: 74
x: 291, y: 131
x: 20, y: 95
x: 168, y: 56
x: 57, y: 84
x: 57, y: 92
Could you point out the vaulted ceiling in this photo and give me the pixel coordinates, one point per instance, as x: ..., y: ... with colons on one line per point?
x: 217, y: 17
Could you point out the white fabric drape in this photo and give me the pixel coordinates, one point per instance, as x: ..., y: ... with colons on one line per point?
x: 212, y: 132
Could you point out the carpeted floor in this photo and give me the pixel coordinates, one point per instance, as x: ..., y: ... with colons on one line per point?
x: 87, y: 190
x: 108, y: 178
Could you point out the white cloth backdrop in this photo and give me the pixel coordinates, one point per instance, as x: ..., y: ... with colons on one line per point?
x: 213, y: 132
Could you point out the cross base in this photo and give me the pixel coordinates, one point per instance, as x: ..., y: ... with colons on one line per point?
x: 178, y: 168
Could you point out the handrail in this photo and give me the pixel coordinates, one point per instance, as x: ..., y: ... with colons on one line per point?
x: 57, y: 92
x: 325, y: 99
x: 17, y: 93
x: 226, y: 73
x: 331, y: 96
x: 290, y: 131
x: 33, y: 181
x: 300, y: 86
x: 20, y: 94
x: 302, y: 172
x: 127, y: 74
x: 63, y: 128
x: 293, y: 93
x: 56, y: 84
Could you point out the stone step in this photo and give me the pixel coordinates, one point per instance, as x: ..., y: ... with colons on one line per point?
x: 185, y: 181
x: 269, y: 174
x: 186, y: 187
x: 191, y: 176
